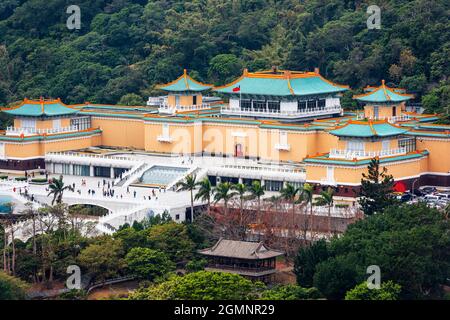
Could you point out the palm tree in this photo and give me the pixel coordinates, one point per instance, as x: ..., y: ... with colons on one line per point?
x: 205, y: 191
x: 307, y: 194
x: 57, y: 188
x: 289, y: 193
x: 326, y: 199
x: 223, y: 192
x: 189, y: 184
x: 257, y: 191
x: 240, y: 189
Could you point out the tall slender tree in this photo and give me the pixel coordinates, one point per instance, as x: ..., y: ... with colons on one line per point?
x: 189, y: 184
x: 326, y: 199
x: 224, y: 192
x: 376, y: 189
x: 204, y: 192
x: 257, y: 191
x: 289, y: 193
x: 57, y: 189
x: 307, y: 194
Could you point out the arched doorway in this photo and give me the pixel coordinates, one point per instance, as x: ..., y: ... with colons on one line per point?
x: 238, y: 150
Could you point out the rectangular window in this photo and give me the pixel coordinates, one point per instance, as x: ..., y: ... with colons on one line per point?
x: 375, y: 112
x: 58, y: 168
x: 194, y: 100
x: 81, y: 170
x: 57, y: 124
x: 259, y: 105
x: 177, y: 100
x: 385, y: 144
x: 273, y: 185
x: 246, y: 105
x: 330, y: 173
x: 66, y: 168
x: 104, y: 172
x: 2, y: 150
x: 29, y: 123
x: 301, y: 105
x: 321, y: 103
x: 165, y: 130
x: 355, y: 145
x: 283, y: 138
x: 408, y: 143
x: 83, y: 123
x: 274, y: 106
x: 311, y: 104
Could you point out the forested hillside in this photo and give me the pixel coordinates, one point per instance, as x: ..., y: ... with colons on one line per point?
x: 127, y: 46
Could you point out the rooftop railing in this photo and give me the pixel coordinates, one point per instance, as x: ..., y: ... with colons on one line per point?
x: 164, y: 108
x: 358, y: 154
x: 36, y: 131
x: 392, y: 119
x: 307, y: 112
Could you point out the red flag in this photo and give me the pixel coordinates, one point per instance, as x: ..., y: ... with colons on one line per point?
x: 237, y: 89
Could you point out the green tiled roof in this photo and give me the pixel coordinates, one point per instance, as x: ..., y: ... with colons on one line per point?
x: 363, y: 162
x: 52, y: 136
x: 366, y: 129
x: 383, y: 94
x: 284, y: 84
x: 36, y: 108
x: 184, y: 83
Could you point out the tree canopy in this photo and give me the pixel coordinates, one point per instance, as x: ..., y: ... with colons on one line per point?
x: 410, y: 244
x: 126, y: 47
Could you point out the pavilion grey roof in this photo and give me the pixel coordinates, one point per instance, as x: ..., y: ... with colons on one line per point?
x: 240, y: 249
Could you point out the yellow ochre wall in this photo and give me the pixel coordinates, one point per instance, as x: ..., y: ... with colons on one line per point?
x: 39, y: 148
x: 384, y: 111
x: 352, y: 175
x: 185, y: 100
x: 439, y: 157
x: 120, y: 132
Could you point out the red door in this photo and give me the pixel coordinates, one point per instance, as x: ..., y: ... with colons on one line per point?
x: 238, y: 150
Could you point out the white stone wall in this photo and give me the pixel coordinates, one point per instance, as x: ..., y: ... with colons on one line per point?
x: 288, y: 106
x: 234, y: 103
x: 331, y: 102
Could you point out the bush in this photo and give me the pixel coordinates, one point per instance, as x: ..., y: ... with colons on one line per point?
x: 290, y: 292
x: 3, y: 177
x: 20, y: 179
x: 196, y: 265
x: 39, y: 180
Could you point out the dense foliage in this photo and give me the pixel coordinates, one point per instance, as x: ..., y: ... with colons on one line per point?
x: 387, y: 291
x: 11, y: 288
x: 410, y: 244
x: 202, y: 285
x: 124, y: 47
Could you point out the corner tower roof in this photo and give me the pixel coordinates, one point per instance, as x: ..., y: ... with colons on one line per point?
x: 383, y: 94
x: 282, y: 83
x: 367, y: 129
x: 42, y: 107
x: 184, y: 83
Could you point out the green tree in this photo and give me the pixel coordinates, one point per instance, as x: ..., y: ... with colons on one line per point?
x: 103, y: 258
x: 189, y: 184
x: 290, y: 193
x: 256, y: 192
x: 148, y: 264
x: 224, y: 68
x: 204, y: 192
x: 326, y: 199
x: 240, y: 191
x: 334, y: 277
x: 202, y: 285
x: 376, y: 189
x: 290, y: 292
x: 306, y: 261
x: 131, y: 99
x: 388, y: 291
x: 223, y: 191
x: 12, y: 288
x: 57, y: 189
x: 173, y: 239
